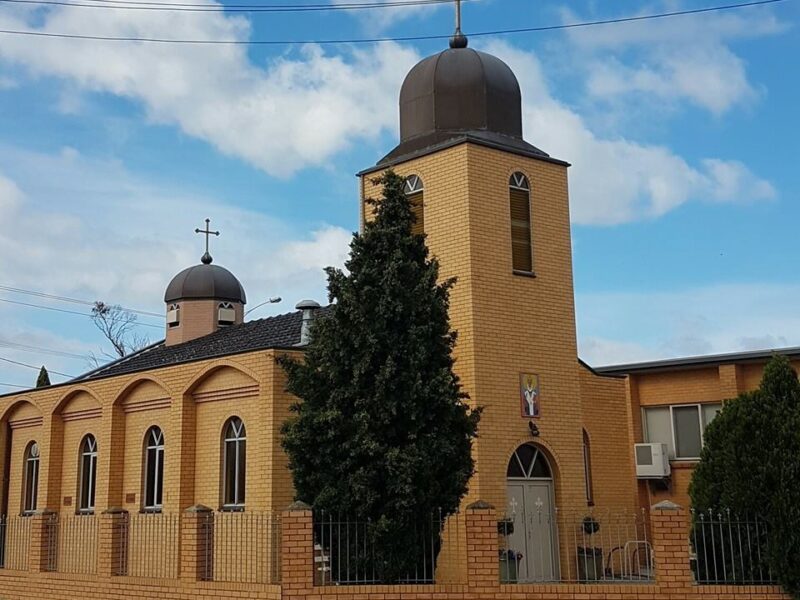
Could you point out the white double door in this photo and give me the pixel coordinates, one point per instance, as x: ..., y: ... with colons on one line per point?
x: 534, y: 537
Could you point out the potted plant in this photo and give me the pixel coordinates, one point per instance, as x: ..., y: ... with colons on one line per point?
x: 590, y: 558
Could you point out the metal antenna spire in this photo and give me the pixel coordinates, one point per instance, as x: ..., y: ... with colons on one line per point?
x: 459, y: 40
x: 206, y: 259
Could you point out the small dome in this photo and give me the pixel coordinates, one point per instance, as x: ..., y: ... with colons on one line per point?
x: 205, y: 282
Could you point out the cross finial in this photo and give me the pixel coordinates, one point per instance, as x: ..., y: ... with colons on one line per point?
x: 206, y: 259
x: 459, y: 40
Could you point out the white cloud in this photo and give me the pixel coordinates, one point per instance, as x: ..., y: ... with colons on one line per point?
x: 114, y: 237
x: 295, y: 112
x: 711, y: 319
x: 618, y: 180
x: 672, y: 60
x: 377, y: 20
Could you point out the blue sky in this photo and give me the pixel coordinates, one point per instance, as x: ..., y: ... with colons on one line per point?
x: 682, y: 132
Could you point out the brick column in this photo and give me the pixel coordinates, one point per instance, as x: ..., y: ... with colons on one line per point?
x: 112, y: 542
x: 670, y: 526
x: 483, y: 566
x: 297, y: 550
x: 197, y: 544
x: 44, y: 526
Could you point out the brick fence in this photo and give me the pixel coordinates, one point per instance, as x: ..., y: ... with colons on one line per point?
x: 673, y: 578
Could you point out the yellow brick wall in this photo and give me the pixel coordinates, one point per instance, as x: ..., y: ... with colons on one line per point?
x: 510, y: 324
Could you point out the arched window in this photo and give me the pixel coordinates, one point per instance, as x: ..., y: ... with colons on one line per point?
x: 153, y: 469
x: 587, y: 469
x: 88, y: 474
x: 234, y: 463
x: 31, y: 468
x: 520, y: 200
x: 528, y: 462
x: 416, y: 196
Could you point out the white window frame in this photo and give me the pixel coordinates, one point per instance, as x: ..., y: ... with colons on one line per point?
x: 91, y: 453
x: 238, y: 439
x: 30, y: 494
x: 158, y: 447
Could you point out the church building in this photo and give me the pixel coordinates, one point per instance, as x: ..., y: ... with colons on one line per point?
x: 194, y: 420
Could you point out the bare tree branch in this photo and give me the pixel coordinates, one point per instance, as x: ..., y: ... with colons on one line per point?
x: 119, y: 328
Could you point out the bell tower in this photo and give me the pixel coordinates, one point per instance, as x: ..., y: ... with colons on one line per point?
x: 495, y: 212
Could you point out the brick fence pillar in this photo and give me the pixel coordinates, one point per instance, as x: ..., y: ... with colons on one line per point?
x: 112, y: 543
x: 670, y: 525
x: 297, y: 550
x: 483, y: 566
x: 197, y: 544
x: 44, y: 529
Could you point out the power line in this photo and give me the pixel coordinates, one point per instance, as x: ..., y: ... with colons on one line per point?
x: 73, y: 300
x: 22, y: 387
x: 414, y: 38
x: 208, y: 7
x: 69, y: 312
x: 14, y: 362
x: 39, y: 349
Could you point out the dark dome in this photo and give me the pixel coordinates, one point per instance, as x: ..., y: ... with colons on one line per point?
x: 460, y: 89
x: 460, y: 94
x: 205, y: 282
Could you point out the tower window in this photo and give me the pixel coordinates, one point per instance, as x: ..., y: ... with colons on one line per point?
x: 227, y: 313
x: 88, y: 470
x: 234, y: 464
x: 154, y: 469
x: 520, y: 203
x: 587, y: 469
x: 31, y: 478
x: 173, y: 315
x: 416, y: 195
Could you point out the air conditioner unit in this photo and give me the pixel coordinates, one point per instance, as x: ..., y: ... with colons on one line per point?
x: 227, y: 316
x: 652, y: 461
x: 173, y: 316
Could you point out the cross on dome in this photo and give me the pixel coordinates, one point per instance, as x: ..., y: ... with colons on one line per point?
x: 206, y: 258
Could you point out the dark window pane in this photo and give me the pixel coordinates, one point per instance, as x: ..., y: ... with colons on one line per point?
x: 526, y: 453
x: 242, y: 471
x: 540, y: 468
x: 229, y: 496
x: 86, y: 466
x: 93, y: 481
x: 159, y: 477
x: 150, y: 479
x: 687, y: 431
x: 514, y: 470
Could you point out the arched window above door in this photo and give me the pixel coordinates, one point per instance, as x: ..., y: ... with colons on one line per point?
x: 528, y: 462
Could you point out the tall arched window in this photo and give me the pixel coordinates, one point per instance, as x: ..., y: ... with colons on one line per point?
x: 31, y: 468
x: 153, y: 469
x: 234, y: 463
x: 88, y: 474
x: 520, y: 200
x: 416, y: 195
x: 587, y: 469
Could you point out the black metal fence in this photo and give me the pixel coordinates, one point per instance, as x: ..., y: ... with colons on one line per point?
x: 596, y: 546
x: 15, y: 538
x: 150, y: 546
x: 729, y: 549
x: 355, y: 552
x: 242, y: 547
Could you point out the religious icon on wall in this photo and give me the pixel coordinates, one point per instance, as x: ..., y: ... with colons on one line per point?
x: 529, y: 394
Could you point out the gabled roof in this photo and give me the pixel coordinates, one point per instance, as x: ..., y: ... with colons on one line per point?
x: 282, y: 331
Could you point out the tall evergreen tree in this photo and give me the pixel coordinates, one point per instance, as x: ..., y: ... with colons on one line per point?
x: 44, y: 378
x: 382, y: 433
x: 750, y: 466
